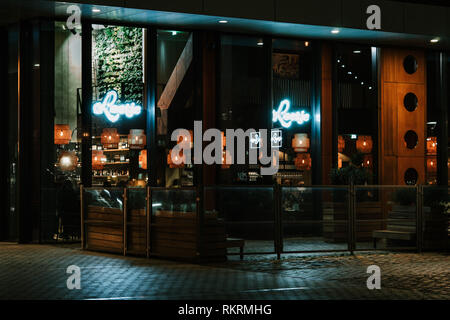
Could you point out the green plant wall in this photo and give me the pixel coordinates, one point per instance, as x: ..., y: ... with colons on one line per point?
x: 118, y: 51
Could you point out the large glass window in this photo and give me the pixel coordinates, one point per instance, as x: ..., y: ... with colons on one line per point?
x: 292, y: 69
x: 357, y: 118
x: 118, y: 121
x: 175, y: 103
x: 241, y: 102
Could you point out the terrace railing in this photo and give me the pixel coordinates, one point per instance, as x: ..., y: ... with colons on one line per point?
x: 220, y: 220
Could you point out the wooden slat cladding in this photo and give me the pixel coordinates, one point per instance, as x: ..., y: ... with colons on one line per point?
x: 395, y: 120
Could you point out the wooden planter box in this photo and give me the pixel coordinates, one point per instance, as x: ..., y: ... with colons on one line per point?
x: 137, y: 232
x: 104, y: 229
x: 175, y: 235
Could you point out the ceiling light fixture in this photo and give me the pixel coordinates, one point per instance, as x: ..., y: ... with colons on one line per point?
x: 357, y: 51
x: 335, y: 31
x: 95, y: 10
x: 435, y: 40
x: 223, y: 21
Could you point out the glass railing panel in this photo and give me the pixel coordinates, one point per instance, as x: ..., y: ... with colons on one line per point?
x: 314, y: 218
x: 436, y: 217
x: 245, y: 218
x: 385, y: 217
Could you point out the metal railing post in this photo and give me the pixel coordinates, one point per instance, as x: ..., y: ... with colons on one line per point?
x: 199, y: 218
x: 278, y: 223
x: 351, y: 218
x: 148, y: 221
x: 82, y: 217
x: 419, y: 217
x: 125, y: 221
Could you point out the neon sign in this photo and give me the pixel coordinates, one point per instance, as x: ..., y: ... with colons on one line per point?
x: 113, y: 111
x: 286, y: 118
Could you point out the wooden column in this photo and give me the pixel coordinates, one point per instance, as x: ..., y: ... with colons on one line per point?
x: 326, y: 114
x: 395, y: 120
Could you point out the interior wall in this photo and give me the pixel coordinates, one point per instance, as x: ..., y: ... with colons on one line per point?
x: 67, y: 77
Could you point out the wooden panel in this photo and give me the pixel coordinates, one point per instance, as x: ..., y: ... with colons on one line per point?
x: 414, y: 120
x: 417, y: 163
x: 401, y: 75
x: 388, y: 61
x: 389, y: 119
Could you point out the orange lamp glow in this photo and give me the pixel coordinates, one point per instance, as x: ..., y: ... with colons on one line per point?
x: 432, y: 145
x: 364, y: 144
x: 143, y: 159
x: 367, y: 161
x: 63, y: 134
x: 226, y: 159
x: 432, y: 165
x: 303, y: 161
x: 341, y: 144
x: 300, y: 142
x: 171, y: 162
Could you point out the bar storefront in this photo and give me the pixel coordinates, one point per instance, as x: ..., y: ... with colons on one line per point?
x: 91, y: 111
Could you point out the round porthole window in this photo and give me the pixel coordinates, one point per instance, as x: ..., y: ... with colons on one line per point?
x: 411, y: 176
x: 410, y: 101
x: 411, y: 139
x: 410, y: 64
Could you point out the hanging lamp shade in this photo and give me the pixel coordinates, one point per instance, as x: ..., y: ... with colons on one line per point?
x: 98, y: 159
x: 432, y: 145
x: 300, y: 142
x: 364, y: 144
x: 137, y: 139
x: 143, y: 159
x: 63, y: 134
x: 341, y: 144
x: 67, y: 161
x: 110, y: 138
x: 303, y: 161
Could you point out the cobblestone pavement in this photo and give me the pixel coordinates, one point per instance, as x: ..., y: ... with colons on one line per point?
x: 39, y: 272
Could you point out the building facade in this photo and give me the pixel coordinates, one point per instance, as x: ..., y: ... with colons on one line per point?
x: 94, y: 90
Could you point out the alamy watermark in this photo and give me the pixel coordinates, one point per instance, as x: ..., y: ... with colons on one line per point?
x: 263, y: 147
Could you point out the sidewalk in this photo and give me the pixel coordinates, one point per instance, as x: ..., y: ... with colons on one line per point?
x: 39, y: 272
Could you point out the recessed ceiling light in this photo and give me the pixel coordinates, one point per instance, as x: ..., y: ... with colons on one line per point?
x: 435, y: 40
x: 223, y: 21
x: 349, y: 72
x: 357, y: 51
x: 260, y: 43
x: 174, y: 33
x: 343, y: 66
x: 370, y: 88
x: 95, y: 10
x: 362, y: 83
x: 335, y: 31
x: 306, y: 43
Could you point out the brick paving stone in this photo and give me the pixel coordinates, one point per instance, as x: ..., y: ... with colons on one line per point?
x: 39, y: 272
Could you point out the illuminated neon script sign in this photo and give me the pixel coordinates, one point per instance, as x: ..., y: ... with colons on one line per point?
x: 286, y: 118
x: 113, y: 111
